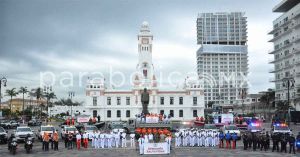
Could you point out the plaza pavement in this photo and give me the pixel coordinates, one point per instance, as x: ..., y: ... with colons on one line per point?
x: 132, y: 152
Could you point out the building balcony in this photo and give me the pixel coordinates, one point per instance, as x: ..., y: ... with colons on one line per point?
x: 272, y: 80
x: 272, y: 70
x: 271, y: 61
x: 297, y: 62
x: 296, y: 50
x: 285, y: 45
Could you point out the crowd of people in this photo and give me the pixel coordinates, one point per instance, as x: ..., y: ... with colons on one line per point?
x: 50, y: 139
x: 204, y: 138
x: 109, y: 139
x: 161, y: 117
x: 261, y: 141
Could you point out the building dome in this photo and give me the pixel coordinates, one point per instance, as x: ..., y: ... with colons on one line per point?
x: 145, y: 27
x: 145, y: 24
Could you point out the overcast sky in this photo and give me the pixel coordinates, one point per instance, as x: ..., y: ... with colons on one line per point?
x: 92, y: 36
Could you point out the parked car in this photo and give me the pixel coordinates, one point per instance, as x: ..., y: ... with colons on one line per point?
x: 10, y: 124
x: 22, y: 132
x: 34, y: 122
x: 212, y: 127
x: 281, y: 128
x: 14, y: 124
x: 90, y: 129
x: 3, y: 135
x: 45, y: 129
x: 68, y: 129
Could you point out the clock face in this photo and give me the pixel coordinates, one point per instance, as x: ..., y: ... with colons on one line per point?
x: 145, y: 41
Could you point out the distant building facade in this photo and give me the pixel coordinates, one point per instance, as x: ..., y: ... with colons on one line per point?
x: 286, y: 40
x: 185, y: 103
x: 17, y: 104
x: 223, y: 56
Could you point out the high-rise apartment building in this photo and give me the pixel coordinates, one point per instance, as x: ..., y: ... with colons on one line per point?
x: 286, y: 40
x: 222, y: 57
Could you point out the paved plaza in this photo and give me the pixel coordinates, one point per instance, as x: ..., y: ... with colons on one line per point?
x: 131, y: 152
x: 128, y: 152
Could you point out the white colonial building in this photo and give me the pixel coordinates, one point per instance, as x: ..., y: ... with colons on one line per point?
x: 111, y: 104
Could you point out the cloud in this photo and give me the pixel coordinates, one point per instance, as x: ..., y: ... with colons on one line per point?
x: 88, y: 36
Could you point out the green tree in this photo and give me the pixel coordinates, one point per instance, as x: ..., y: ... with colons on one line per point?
x: 267, y: 100
x: 38, y: 94
x: 67, y: 102
x: 49, y: 96
x: 23, y: 90
x: 11, y: 92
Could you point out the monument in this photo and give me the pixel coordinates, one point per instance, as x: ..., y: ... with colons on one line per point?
x: 145, y: 101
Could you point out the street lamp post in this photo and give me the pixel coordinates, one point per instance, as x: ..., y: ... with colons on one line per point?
x: 243, y: 94
x: 2, y: 80
x: 71, y: 95
x: 288, y: 83
x: 23, y: 90
x: 219, y: 98
x: 47, y: 90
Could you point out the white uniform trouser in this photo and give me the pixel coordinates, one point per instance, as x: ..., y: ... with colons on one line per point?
x: 112, y: 140
x: 199, y: 141
x: 102, y: 140
x: 177, y: 141
x: 185, y: 141
x: 209, y: 141
x: 191, y: 141
x: 141, y: 148
x: 202, y: 141
x: 124, y: 142
x: 97, y: 143
x: 93, y: 142
x: 109, y: 143
x: 206, y: 142
x: 132, y: 142
x: 213, y: 142
x: 117, y: 142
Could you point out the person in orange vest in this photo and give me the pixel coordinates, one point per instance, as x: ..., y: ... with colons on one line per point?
x: 46, y: 141
x: 55, y: 140
x: 68, y: 121
x: 78, y: 140
x: 85, y: 139
x: 73, y: 121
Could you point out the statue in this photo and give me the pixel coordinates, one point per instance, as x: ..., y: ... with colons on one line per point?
x: 145, y: 101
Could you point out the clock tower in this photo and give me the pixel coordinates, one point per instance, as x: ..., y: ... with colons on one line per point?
x: 145, y: 66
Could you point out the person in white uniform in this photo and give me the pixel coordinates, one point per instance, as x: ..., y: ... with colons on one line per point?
x: 177, y: 139
x: 146, y: 138
x: 203, y: 137
x: 97, y: 139
x: 92, y: 137
x: 150, y: 136
x: 141, y: 144
x: 132, y: 136
x: 102, y: 139
x: 124, y: 140
x: 117, y: 137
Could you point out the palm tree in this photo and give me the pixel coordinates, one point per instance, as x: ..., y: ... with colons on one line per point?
x: 267, y: 100
x: 11, y: 92
x: 49, y: 96
x: 23, y: 90
x: 38, y: 94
